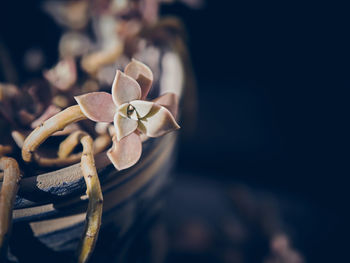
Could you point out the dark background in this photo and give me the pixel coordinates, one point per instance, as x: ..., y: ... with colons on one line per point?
x: 273, y: 102
x: 273, y: 81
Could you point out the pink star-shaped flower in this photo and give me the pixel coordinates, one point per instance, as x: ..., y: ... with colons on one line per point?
x: 131, y: 113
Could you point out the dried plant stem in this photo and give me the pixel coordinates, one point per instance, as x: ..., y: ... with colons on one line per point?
x: 40, y: 134
x: 93, y: 190
x: 5, y: 149
x: 67, y: 146
x: 56, y: 162
x: 18, y: 138
x: 102, y: 142
x: 8, y: 193
x: 93, y: 62
x: 50, y: 126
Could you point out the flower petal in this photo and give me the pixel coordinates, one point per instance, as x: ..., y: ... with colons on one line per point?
x: 97, y: 106
x: 125, y: 89
x: 142, y: 107
x: 158, y: 122
x: 124, y: 126
x: 126, y: 152
x: 142, y: 74
x: 169, y: 101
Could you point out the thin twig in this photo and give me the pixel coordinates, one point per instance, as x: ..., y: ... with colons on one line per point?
x: 93, y: 190
x: 8, y: 193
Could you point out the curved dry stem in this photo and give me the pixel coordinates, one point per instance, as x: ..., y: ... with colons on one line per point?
x: 18, y: 138
x: 101, y: 143
x: 67, y: 146
x: 91, y: 63
x: 56, y: 162
x: 5, y: 149
x: 8, y: 193
x: 94, y: 192
x: 50, y: 126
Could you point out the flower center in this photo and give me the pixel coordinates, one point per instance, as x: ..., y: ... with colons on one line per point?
x: 130, y: 110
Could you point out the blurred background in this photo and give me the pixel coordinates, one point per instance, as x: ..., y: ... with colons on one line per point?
x: 262, y: 177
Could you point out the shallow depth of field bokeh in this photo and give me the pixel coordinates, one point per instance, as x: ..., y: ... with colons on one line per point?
x: 264, y: 163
